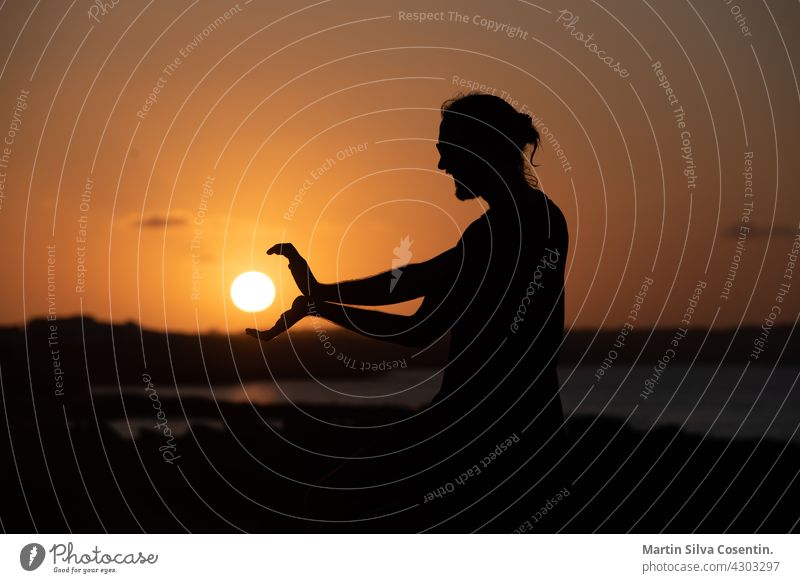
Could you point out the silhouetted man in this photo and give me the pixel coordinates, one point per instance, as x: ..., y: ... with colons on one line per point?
x: 485, y: 453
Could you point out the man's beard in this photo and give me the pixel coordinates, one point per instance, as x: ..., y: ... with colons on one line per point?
x: 463, y: 192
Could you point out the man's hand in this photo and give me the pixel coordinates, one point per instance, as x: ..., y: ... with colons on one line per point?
x: 298, y: 311
x: 298, y: 267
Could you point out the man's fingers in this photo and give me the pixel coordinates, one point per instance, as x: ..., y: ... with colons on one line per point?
x: 263, y: 336
x: 252, y: 332
x: 286, y: 320
x: 285, y: 249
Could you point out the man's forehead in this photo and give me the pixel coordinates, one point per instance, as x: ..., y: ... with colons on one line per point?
x: 447, y: 132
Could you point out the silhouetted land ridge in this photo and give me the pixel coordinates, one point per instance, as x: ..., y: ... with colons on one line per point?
x: 113, y: 353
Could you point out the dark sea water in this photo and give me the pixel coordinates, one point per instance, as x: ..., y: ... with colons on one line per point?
x: 734, y: 402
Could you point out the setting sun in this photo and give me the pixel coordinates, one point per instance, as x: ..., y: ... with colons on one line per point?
x: 252, y: 291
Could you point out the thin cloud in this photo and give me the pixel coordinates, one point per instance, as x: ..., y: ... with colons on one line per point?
x: 158, y: 221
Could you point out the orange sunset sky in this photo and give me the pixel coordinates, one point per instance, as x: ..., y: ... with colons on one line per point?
x: 155, y: 150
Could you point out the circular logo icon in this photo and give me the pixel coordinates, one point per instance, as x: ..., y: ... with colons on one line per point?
x: 31, y: 556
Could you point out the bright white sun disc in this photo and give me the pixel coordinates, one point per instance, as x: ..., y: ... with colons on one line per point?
x: 252, y: 291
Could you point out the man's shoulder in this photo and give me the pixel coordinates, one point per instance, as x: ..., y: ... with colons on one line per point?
x: 544, y: 203
x: 544, y: 217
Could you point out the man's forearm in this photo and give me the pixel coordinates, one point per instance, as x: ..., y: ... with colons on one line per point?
x: 372, y: 323
x: 378, y: 290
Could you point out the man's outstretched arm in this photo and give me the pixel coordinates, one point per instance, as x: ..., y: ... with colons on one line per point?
x: 394, y: 286
x: 390, y: 287
x: 416, y: 330
x: 421, y: 329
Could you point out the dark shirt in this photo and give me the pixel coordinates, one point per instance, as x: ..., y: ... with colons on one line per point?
x: 507, y: 305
